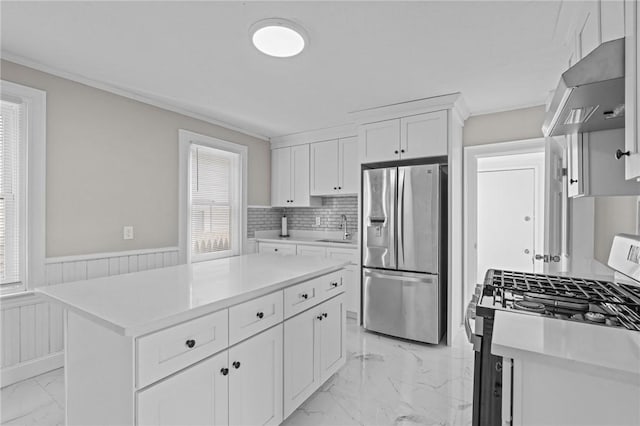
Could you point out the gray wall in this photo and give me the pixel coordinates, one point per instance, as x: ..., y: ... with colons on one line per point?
x: 113, y: 161
x: 612, y: 214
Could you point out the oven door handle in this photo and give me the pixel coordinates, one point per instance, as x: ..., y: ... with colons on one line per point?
x: 467, y: 324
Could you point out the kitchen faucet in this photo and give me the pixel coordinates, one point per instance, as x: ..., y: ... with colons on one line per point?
x: 343, y: 226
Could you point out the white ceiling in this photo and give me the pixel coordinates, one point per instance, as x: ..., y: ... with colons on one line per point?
x: 198, y: 55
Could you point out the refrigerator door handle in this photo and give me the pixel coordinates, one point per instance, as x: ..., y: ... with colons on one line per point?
x: 404, y: 276
x: 401, y: 176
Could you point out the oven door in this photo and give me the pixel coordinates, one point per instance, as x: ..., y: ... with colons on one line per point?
x: 487, y: 377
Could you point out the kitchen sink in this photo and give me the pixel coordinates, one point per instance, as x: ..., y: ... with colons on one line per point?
x: 335, y: 241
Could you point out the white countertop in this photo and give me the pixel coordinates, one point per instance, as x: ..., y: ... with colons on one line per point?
x: 611, y: 350
x: 308, y: 238
x: 142, y: 302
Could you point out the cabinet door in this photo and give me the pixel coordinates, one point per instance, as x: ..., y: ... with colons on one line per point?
x: 324, y: 168
x: 423, y: 135
x: 611, y: 19
x: 575, y: 164
x: 632, y: 86
x: 301, y: 351
x: 255, y: 380
x: 300, y: 176
x: 379, y: 141
x: 275, y: 248
x: 332, y: 336
x: 196, y: 396
x: 303, y: 250
x: 348, y: 167
x: 280, y: 177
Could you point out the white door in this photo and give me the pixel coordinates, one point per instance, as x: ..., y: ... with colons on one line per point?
x: 506, y: 220
x: 301, y: 351
x: 255, y: 380
x: 553, y: 256
x: 332, y: 336
x: 324, y: 168
x: 423, y: 135
x: 380, y: 141
x: 196, y: 396
x: 348, y: 167
x: 280, y: 176
x: 299, y: 176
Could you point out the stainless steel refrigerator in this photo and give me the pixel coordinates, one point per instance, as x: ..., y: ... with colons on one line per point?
x: 404, y: 251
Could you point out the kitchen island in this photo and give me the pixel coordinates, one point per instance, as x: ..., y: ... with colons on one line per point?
x: 241, y: 340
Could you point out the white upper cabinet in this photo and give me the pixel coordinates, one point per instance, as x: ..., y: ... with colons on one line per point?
x: 290, y: 177
x: 417, y: 136
x: 589, y: 32
x: 380, y: 141
x: 334, y: 167
x: 611, y: 19
x: 632, y: 86
x: 348, y: 167
x: 423, y: 135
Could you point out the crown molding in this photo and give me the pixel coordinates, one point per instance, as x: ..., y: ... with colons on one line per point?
x: 127, y: 93
x: 318, y: 135
x: 419, y: 106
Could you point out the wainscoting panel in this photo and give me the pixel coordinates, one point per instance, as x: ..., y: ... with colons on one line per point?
x: 32, y: 329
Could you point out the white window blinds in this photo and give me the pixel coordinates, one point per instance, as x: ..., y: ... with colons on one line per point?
x: 11, y: 125
x: 214, y: 203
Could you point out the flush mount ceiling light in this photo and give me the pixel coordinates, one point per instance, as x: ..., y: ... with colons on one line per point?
x: 278, y: 37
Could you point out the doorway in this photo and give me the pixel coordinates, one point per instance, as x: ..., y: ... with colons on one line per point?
x: 504, y: 196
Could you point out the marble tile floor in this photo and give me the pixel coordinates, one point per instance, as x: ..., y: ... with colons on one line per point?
x: 385, y: 382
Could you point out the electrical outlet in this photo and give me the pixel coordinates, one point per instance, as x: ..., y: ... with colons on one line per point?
x: 317, y: 220
x: 127, y: 232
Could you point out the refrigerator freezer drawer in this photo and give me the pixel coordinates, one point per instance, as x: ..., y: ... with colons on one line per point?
x: 403, y: 304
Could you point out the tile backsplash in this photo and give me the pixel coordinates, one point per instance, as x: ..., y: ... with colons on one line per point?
x: 304, y: 218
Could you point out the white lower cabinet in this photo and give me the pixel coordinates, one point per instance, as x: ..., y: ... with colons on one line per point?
x: 314, y: 349
x: 275, y: 248
x: 255, y: 380
x: 195, y: 396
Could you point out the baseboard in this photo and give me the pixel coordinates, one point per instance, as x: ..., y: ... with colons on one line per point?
x: 26, y: 370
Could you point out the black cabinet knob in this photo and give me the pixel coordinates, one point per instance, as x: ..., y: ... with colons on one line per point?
x: 339, y: 187
x: 190, y: 343
x: 402, y: 151
x: 236, y: 364
x: 620, y: 154
x: 224, y: 371
x: 335, y: 187
x: 395, y: 152
x: 260, y: 315
x: 319, y: 317
x: 275, y: 249
x: 572, y: 181
x: 334, y: 284
x: 325, y: 314
x: 304, y: 295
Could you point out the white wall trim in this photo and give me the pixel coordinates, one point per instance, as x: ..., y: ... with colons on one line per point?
x: 453, y: 101
x: 105, y: 255
x: 127, y: 93
x: 185, y: 139
x: 35, y: 367
x: 319, y: 135
x: 36, y: 160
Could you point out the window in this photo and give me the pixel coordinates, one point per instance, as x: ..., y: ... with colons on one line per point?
x: 22, y: 187
x: 215, y: 204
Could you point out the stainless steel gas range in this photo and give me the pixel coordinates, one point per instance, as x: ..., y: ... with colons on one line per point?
x: 597, y: 302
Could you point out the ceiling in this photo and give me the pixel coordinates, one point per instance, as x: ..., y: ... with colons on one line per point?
x: 198, y: 55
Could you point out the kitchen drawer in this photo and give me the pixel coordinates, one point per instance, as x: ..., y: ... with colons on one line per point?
x: 252, y: 317
x: 167, y: 351
x: 329, y: 285
x: 275, y: 248
x: 303, y: 250
x: 301, y: 297
x: 340, y: 253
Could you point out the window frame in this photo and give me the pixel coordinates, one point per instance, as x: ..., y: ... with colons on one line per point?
x: 32, y: 188
x: 186, y: 139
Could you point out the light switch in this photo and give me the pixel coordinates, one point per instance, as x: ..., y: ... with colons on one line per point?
x: 127, y: 233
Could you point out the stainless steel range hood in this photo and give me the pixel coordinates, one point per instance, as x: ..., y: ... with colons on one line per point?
x: 590, y: 95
